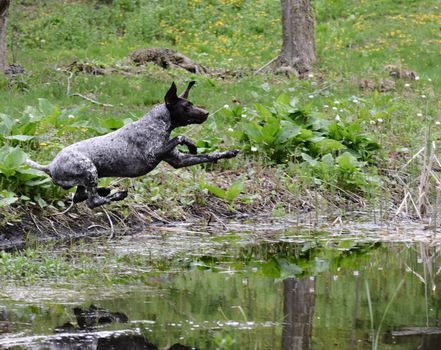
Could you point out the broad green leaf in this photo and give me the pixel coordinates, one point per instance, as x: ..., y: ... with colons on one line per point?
x: 11, y: 159
x: 253, y: 131
x: 288, y: 131
x: 213, y: 189
x: 6, y: 124
x: 311, y: 161
x: 328, y: 159
x: 262, y: 111
x: 347, y: 162
x: 20, y: 137
x: 283, y: 105
x: 46, y: 107
x: 271, y: 268
x: 234, y: 190
x: 112, y: 124
x: 33, y: 183
x: 288, y: 269
x: 305, y: 134
x: 31, y: 115
x: 7, y: 198
x: 269, y: 132
x: 329, y: 146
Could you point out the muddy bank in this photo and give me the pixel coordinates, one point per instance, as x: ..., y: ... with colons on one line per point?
x: 264, y: 195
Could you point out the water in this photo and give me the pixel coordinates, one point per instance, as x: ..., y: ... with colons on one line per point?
x: 243, y: 288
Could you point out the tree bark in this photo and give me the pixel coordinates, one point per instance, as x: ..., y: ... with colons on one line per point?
x: 298, y: 49
x: 4, y: 5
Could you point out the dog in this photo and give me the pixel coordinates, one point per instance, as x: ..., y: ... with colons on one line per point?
x: 131, y: 151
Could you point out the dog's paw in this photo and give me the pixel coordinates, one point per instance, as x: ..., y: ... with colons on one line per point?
x: 103, y: 191
x: 231, y: 153
x: 192, y: 149
x: 119, y: 196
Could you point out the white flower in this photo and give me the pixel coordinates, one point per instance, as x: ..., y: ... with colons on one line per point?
x: 226, y: 106
x: 310, y: 75
x: 243, y: 115
x: 71, y: 116
x: 337, y: 102
x: 325, y: 106
x: 253, y: 149
x: 419, y: 114
x: 337, y: 118
x: 311, y: 96
x: 423, y: 96
x: 429, y: 79
x: 334, y: 108
x: 437, y: 123
x: 379, y: 120
x: 407, y: 85
x: 372, y: 122
x: 230, y: 129
x: 417, y: 78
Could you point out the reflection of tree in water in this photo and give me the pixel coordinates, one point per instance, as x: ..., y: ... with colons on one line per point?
x: 298, y: 310
x: 4, y: 321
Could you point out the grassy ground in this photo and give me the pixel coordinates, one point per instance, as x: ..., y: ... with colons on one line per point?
x: 356, y: 42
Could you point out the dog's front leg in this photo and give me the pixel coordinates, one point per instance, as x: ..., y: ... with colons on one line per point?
x: 179, y: 140
x: 180, y: 160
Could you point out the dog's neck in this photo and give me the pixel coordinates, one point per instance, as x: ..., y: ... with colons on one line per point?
x: 160, y: 117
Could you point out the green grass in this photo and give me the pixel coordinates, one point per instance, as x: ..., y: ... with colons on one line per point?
x: 356, y: 40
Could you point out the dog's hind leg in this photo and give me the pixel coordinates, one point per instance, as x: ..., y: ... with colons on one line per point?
x: 81, y: 193
x: 95, y: 195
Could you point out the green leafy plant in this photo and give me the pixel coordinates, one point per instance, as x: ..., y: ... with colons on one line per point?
x: 333, y: 152
x: 230, y: 194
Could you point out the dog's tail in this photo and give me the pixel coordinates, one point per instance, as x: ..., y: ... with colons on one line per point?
x: 37, y: 166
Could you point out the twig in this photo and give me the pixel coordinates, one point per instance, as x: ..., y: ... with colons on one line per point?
x: 411, y: 159
x: 66, y: 210
x: 68, y: 83
x: 92, y: 100
x: 225, y: 227
x: 265, y: 65
x: 53, y: 227
x: 96, y: 225
x: 403, y: 202
x: 121, y: 220
x: 111, y: 224
x: 35, y: 222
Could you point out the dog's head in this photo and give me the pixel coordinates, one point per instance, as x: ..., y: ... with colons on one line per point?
x: 182, y: 111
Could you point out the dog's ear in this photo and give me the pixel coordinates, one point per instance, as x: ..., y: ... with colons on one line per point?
x: 185, y: 93
x: 171, y: 97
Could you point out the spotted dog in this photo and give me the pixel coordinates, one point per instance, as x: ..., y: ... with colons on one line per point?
x: 132, y: 151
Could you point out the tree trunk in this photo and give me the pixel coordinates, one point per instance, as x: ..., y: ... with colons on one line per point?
x: 298, y: 310
x: 298, y: 50
x: 4, y: 5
